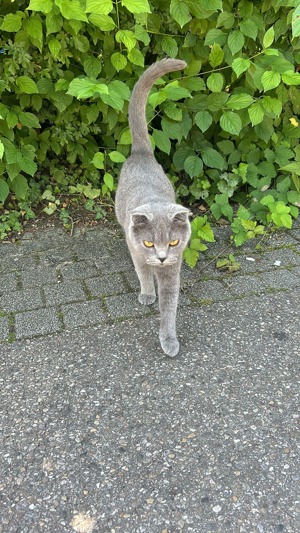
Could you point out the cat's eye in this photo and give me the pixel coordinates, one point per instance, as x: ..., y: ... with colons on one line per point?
x: 148, y: 244
x: 174, y: 243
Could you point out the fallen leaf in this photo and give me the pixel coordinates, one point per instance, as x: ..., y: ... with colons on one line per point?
x: 83, y: 523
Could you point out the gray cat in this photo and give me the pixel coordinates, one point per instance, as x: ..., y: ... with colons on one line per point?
x: 157, y: 229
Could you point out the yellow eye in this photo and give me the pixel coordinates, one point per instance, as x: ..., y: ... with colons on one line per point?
x: 148, y: 244
x: 174, y: 243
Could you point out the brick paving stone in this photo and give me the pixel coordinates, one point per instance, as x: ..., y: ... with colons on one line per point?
x: 17, y: 262
x: 38, y: 322
x: 64, y: 292
x: 38, y: 276
x: 23, y: 300
x: 127, y: 306
x: 78, y: 270
x: 56, y: 258
x: 245, y: 284
x: 281, y: 279
x: 83, y: 314
x: 4, y: 328
x: 8, y: 282
x: 104, y: 286
x: 208, y: 290
x: 108, y: 265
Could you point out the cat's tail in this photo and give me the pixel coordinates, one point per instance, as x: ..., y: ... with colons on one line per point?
x: 137, y: 105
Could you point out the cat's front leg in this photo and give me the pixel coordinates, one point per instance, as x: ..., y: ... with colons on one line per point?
x: 144, y: 272
x: 168, y: 289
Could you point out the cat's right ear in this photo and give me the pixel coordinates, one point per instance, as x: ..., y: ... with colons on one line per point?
x: 141, y: 216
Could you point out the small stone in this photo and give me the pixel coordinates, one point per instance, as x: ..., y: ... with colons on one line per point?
x: 217, y: 508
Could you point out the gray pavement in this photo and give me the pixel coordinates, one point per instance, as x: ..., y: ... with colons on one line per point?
x: 101, y: 432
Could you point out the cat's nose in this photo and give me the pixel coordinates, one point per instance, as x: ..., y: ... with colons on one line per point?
x: 162, y: 259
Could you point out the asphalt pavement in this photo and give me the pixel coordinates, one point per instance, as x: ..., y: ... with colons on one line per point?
x: 101, y: 432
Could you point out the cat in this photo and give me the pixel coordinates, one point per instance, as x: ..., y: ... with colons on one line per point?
x: 157, y: 229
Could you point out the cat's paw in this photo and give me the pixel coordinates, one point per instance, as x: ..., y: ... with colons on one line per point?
x: 170, y: 346
x: 147, y: 299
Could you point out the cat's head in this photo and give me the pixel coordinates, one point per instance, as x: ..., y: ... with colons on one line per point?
x: 159, y: 234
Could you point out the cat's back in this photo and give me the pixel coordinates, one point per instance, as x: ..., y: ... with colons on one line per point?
x: 142, y: 180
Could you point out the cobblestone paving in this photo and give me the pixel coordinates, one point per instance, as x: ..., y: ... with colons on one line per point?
x: 52, y: 281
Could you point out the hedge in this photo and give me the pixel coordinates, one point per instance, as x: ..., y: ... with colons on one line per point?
x: 226, y: 130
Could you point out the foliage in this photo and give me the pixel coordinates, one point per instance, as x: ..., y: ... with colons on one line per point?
x: 229, y: 264
x: 228, y: 128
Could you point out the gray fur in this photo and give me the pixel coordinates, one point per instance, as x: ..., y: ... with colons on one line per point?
x: 147, y: 211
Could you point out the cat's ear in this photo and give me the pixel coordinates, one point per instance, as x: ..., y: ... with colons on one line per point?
x: 178, y: 213
x: 141, y: 216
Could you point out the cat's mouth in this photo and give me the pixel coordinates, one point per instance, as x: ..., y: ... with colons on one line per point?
x: 161, y: 264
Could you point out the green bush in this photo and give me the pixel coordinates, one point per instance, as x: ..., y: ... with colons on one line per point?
x: 227, y: 128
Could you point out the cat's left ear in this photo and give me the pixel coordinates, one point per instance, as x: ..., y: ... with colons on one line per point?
x: 179, y: 213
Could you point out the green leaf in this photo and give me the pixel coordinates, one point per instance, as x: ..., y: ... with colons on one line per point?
x: 26, y: 85
x: 270, y: 80
x: 126, y: 37
x: 193, y: 166
x: 117, y: 157
x: 54, y: 47
x: 240, y: 65
x: 268, y: 37
x: 216, y: 55
x: 1, y: 150
x: 235, y: 41
x: 190, y: 257
x: 212, y: 158
x: 272, y: 106
x: 136, y: 6
x: 176, y: 93
x: 92, y: 66
x: 71, y: 9
x: 104, y: 22
x: 172, y: 111
x: 11, y: 119
x: 4, y: 190
x: 169, y: 46
x: 113, y: 99
x: 180, y: 156
x: 99, y: 7
x: 231, y: 122
x: 215, y: 36
x: 239, y: 101
x: 216, y: 101
x: 180, y: 12
x: 34, y: 29
x: 109, y: 181
x: 291, y: 78
x: 296, y: 22
x: 118, y: 61
x: 256, y: 113
x: 203, y: 119
x: 215, y: 82
x: 294, y: 168
x: 27, y: 162
x: 12, y: 153
x: 20, y: 187
x: 136, y: 57
x: 85, y: 87
x: 249, y: 28
x: 98, y: 160
x: 161, y: 140
x: 125, y: 137
x: 12, y: 22
x: 28, y: 119
x: 45, y: 6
